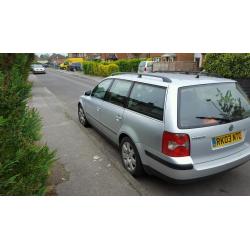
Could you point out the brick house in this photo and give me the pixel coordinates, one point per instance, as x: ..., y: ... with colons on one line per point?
x: 118, y: 56
x: 173, y: 56
x: 76, y: 55
x: 198, y: 58
x: 57, y: 58
x: 176, y: 62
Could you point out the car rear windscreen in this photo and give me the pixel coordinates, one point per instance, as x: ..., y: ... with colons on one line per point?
x: 211, y: 104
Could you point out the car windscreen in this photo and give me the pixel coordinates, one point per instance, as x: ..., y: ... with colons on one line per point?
x: 211, y: 104
x: 37, y: 66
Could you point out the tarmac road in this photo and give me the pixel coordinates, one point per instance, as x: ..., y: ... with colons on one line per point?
x: 92, y: 163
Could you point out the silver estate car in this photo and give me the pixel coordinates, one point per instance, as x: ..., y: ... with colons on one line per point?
x: 181, y: 126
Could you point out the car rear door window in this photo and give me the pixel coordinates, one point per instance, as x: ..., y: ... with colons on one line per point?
x: 118, y: 92
x: 100, y: 90
x: 148, y: 100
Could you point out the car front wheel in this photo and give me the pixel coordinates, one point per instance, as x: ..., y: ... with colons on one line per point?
x: 82, y: 117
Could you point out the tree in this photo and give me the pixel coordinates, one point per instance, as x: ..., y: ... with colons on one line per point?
x: 24, y: 162
x: 44, y: 56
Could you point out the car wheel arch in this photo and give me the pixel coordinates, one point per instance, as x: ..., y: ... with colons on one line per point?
x: 81, y: 103
x: 140, y: 171
x: 123, y: 134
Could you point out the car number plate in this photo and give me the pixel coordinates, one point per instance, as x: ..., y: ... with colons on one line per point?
x: 224, y: 140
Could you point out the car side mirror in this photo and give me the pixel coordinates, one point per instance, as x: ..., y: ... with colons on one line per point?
x: 88, y: 93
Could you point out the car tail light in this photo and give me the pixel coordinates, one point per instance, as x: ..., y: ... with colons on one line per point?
x: 175, y: 145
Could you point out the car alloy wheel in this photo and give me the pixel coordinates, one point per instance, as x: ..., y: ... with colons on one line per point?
x: 128, y: 156
x: 82, y: 116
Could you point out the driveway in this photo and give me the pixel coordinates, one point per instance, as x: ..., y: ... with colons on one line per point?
x: 91, y: 163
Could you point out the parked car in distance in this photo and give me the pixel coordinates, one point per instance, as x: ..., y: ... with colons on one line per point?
x: 181, y: 126
x: 145, y: 67
x: 38, y: 69
x: 65, y: 65
x: 46, y: 65
x: 75, y: 67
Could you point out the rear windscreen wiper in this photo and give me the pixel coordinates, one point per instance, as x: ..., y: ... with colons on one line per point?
x: 214, y: 118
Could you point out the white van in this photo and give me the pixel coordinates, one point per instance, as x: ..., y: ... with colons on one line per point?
x: 145, y: 67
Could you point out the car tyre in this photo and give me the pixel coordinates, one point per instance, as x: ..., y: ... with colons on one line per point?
x: 130, y: 157
x: 82, y: 117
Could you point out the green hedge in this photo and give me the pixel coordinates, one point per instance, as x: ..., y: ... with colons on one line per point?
x: 129, y: 65
x: 24, y: 162
x: 99, y: 69
x: 107, y: 68
x: 230, y: 65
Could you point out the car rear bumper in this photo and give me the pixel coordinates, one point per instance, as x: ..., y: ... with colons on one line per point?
x: 195, y: 171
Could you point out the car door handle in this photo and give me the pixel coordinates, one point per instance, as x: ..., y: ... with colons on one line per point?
x: 118, y: 118
x: 98, y: 109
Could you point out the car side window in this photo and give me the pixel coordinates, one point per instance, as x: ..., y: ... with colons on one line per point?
x: 119, y: 92
x: 148, y: 100
x: 100, y: 90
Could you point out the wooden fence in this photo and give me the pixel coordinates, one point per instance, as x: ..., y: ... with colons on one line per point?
x: 175, y: 66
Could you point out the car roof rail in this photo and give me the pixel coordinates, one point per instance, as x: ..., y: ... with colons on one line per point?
x: 177, y: 71
x: 208, y: 74
x: 164, y: 78
x: 122, y: 73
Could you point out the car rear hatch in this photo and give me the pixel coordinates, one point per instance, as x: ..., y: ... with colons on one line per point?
x: 216, y: 118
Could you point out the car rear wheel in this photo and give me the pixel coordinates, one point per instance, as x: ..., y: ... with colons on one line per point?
x: 130, y: 157
x: 82, y: 117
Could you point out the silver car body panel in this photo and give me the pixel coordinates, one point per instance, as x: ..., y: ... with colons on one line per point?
x: 146, y: 132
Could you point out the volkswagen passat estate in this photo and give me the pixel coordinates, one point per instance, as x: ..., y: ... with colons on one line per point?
x: 182, y: 126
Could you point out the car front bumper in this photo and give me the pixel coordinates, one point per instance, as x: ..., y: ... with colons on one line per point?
x: 39, y: 72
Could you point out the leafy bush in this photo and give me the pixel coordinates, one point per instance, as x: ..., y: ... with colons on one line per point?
x: 229, y: 65
x: 24, y: 164
x: 111, y: 68
x: 107, y: 68
x: 99, y: 69
x: 128, y: 65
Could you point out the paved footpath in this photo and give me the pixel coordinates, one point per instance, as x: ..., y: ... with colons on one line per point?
x: 90, y: 171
